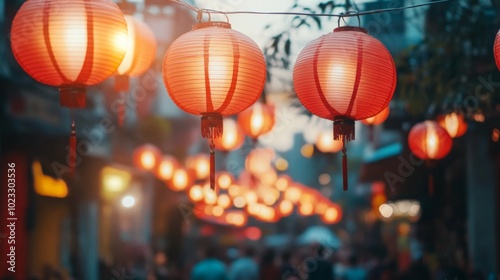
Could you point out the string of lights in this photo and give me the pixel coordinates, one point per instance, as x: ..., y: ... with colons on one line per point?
x: 340, y: 15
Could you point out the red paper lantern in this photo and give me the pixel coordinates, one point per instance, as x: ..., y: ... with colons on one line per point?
x: 232, y: 138
x: 257, y: 120
x: 69, y: 44
x: 429, y: 141
x: 378, y: 118
x: 214, y: 71
x: 343, y: 76
x: 140, y: 55
x: 454, y: 124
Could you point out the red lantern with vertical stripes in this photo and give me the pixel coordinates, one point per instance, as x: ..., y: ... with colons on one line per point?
x: 343, y: 76
x: 429, y: 141
x: 496, y: 49
x: 214, y: 71
x: 454, y: 123
x: 69, y: 44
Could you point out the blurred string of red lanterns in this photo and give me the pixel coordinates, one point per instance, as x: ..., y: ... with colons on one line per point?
x: 70, y: 45
x: 140, y: 55
x: 259, y: 192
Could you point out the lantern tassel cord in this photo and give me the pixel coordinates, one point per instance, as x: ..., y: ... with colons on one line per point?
x: 340, y: 15
x: 72, y: 149
x: 212, y: 165
x: 344, y: 165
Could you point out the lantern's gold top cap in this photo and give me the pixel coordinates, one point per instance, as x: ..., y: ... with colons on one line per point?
x: 350, y: 28
x: 222, y: 24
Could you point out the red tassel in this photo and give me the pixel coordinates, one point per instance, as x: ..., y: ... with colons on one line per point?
x: 211, y: 125
x: 212, y: 170
x: 73, y: 96
x: 72, y: 150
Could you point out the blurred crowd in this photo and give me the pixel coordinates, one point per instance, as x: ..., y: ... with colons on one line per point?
x: 313, y: 262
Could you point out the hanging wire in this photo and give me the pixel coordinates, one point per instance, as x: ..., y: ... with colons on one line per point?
x: 340, y: 15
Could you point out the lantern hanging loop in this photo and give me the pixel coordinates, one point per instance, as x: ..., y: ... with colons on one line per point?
x: 209, y: 12
x: 342, y: 16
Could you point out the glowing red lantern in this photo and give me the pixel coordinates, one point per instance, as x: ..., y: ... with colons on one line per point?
x: 140, y: 54
x: 378, y: 118
x: 343, y: 76
x: 429, y: 141
x: 257, y: 120
x: 214, y: 71
x: 200, y: 164
x: 69, y: 44
x: 232, y: 138
x: 147, y: 157
x: 454, y: 124
x: 181, y: 179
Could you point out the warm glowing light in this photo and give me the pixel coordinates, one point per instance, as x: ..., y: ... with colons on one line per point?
x: 232, y: 136
x: 386, y: 211
x: 251, y: 197
x: 286, y: 208
x: 210, y: 195
x: 200, y: 164
x: 378, y: 199
x: 331, y: 215
x: 148, y: 160
x: 428, y: 140
x: 180, y: 180
x: 307, y: 150
x: 324, y: 179
x: 270, y: 199
x: 306, y: 209
x: 224, y: 201
x: 48, y: 186
x: 128, y: 201
x: 454, y: 124
x: 217, y: 211
x: 307, y: 198
x: 224, y: 180
x: 166, y: 167
x: 282, y: 183
x: 378, y: 118
x: 196, y: 193
x: 292, y: 194
x: 234, y: 190
x: 281, y: 164
x: 146, y: 157
x: 321, y: 208
x: 326, y: 144
x: 257, y: 120
x: 114, y: 180
x: 269, y: 177
x: 259, y: 160
x: 239, y: 202
x: 236, y: 218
